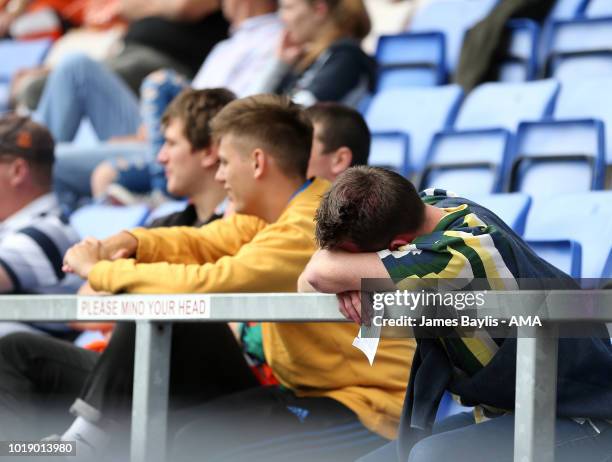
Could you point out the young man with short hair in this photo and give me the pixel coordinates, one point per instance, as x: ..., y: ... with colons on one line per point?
x: 341, y: 140
x: 327, y: 385
x: 373, y: 224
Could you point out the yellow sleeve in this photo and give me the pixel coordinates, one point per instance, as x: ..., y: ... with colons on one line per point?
x: 271, y: 262
x: 189, y: 245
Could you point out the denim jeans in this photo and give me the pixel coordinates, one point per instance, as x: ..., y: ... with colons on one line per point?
x: 458, y: 439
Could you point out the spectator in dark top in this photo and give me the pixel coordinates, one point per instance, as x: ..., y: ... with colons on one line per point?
x: 319, y: 57
x: 341, y: 139
x: 173, y: 34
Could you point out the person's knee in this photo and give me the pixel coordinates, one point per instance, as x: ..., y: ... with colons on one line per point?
x: 432, y: 449
x: 15, y: 348
x: 76, y: 64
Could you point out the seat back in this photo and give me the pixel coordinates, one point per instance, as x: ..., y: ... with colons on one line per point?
x: 512, y: 208
x: 453, y: 18
x: 565, y: 255
x: 584, y: 217
x: 102, y: 221
x: 418, y: 112
x: 598, y: 8
x: 520, y: 64
x: 505, y: 105
x: 16, y: 55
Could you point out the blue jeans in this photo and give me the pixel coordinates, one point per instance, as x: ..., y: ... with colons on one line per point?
x: 458, y: 439
x: 80, y: 87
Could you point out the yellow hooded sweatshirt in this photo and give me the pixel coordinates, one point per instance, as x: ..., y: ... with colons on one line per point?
x: 245, y: 254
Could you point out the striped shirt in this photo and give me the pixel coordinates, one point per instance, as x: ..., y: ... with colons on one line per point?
x: 33, y: 242
x: 462, y: 248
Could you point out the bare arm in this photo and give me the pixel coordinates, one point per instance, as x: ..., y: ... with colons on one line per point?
x: 178, y: 10
x: 6, y: 285
x: 336, y: 271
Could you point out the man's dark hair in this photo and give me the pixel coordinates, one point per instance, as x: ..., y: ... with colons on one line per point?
x: 341, y: 126
x: 24, y: 138
x: 368, y: 207
x: 272, y: 123
x: 196, y: 109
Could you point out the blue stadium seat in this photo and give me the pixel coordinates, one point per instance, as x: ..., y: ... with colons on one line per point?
x: 102, y: 221
x: 474, y: 154
x: 391, y: 150
x: 453, y: 18
x: 598, y: 8
x: 607, y: 271
x: 580, y: 48
x: 411, y: 59
x: 16, y: 55
x: 588, y: 98
x: 566, y: 255
x: 568, y: 9
x: 584, y: 217
x: 511, y: 208
x: 558, y: 157
x: 416, y: 112
x: 520, y: 64
x: 166, y: 209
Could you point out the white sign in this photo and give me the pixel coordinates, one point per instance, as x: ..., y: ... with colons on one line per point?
x: 121, y: 307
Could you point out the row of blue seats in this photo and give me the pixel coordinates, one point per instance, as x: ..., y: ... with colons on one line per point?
x: 578, y: 32
x: 571, y: 231
x: 538, y: 137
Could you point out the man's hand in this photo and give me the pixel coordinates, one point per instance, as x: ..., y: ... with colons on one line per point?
x: 121, y: 245
x: 349, y: 304
x: 288, y: 51
x: 81, y: 257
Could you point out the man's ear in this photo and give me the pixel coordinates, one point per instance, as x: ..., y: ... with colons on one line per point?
x: 19, y: 172
x: 343, y: 157
x: 259, y: 161
x: 401, y: 240
x: 209, y: 156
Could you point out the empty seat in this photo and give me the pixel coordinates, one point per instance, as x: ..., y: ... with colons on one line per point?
x: 585, y: 218
x: 520, y: 64
x: 566, y: 254
x: 474, y: 154
x: 411, y: 59
x: 417, y: 113
x: 598, y: 8
x: 568, y: 9
x: 17, y: 55
x: 102, y: 221
x: 606, y: 274
x: 580, y: 48
x: 558, y: 157
x: 453, y: 18
x: 511, y: 208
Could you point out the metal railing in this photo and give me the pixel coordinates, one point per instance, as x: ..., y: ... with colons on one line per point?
x: 535, y: 407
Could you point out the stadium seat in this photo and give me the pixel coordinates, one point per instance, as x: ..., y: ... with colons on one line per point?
x: 411, y: 59
x: 568, y: 9
x: 102, y: 221
x: 17, y: 55
x: 166, y: 209
x: 453, y: 18
x: 391, y: 150
x: 607, y: 271
x: 579, y: 48
x: 417, y: 113
x: 598, y: 8
x: 511, y: 208
x: 566, y: 255
x: 520, y: 64
x: 558, y: 157
x: 584, y: 217
x: 474, y: 154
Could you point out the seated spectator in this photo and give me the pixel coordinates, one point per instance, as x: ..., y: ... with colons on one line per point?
x: 319, y: 57
x: 369, y: 209
x: 33, y: 233
x: 341, y: 140
x: 233, y: 63
x: 328, y: 385
x: 173, y: 34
